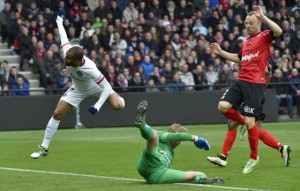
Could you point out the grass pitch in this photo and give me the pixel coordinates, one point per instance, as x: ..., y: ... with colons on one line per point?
x: 105, y: 159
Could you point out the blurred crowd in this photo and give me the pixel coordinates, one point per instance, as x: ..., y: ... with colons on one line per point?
x: 148, y: 45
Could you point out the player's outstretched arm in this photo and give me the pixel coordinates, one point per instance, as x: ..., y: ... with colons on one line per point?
x: 199, y: 142
x: 273, y: 26
x: 62, y: 32
x: 107, y: 89
x: 215, y: 48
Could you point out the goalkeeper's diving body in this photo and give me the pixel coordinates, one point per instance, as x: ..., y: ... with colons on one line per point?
x: 154, y: 164
x: 87, y: 81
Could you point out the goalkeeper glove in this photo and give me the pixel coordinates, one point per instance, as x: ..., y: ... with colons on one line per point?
x: 92, y: 110
x: 202, y: 143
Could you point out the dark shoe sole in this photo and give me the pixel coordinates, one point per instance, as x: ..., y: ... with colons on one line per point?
x: 141, y: 110
x: 215, y: 180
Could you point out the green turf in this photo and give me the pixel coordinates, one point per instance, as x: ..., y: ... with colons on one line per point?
x: 110, y: 153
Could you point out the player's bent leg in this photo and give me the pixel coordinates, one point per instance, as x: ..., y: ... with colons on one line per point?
x: 173, y: 176
x: 223, y: 106
x: 116, y: 101
x: 61, y: 109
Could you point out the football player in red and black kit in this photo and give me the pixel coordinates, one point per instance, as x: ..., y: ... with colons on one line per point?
x: 263, y: 135
x: 250, y: 85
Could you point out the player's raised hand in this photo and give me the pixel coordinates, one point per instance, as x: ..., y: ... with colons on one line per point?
x: 258, y: 11
x: 215, y: 48
x: 93, y: 110
x: 61, y: 13
x: 202, y: 143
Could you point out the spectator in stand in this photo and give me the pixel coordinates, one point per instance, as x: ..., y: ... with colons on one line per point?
x: 24, y: 41
x: 47, y: 70
x: 168, y: 72
x: 101, y: 11
x: 13, y: 76
x: 187, y: 77
x: 148, y: 67
x: 131, y: 65
x: 296, y: 65
x: 20, y: 88
x: 111, y: 76
x: 282, y: 91
x: 130, y: 13
x: 212, y: 76
x: 5, y: 70
x: 275, y: 59
x: 63, y: 80
x: 119, y: 65
x: 33, y: 11
x: 115, y: 9
x: 121, y: 84
x: 162, y: 84
x: 285, y: 66
x: 137, y: 82
x: 176, y: 85
x: 155, y: 75
x: 49, y: 41
x: 183, y: 10
x: 198, y: 26
x: 7, y: 24
x: 295, y: 88
x: 38, y: 55
x: 199, y: 77
x: 296, y: 41
x: 121, y: 43
x: 3, y: 84
x: 151, y: 87
x: 94, y: 43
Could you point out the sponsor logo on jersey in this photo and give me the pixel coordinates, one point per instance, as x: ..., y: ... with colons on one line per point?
x: 76, y: 78
x: 165, y: 155
x: 248, y: 109
x: 249, y: 57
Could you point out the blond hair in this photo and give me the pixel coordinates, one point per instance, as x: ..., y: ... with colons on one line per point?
x: 176, y: 128
x: 252, y: 13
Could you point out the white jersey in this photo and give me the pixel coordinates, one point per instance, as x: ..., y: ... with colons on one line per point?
x: 86, y: 77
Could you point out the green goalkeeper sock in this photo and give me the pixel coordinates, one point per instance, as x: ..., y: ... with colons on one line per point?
x: 146, y: 131
x: 200, y: 178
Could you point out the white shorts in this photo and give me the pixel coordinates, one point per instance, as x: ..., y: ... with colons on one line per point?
x: 75, y: 97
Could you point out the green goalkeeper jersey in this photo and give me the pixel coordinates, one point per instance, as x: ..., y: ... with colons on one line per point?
x: 155, y: 162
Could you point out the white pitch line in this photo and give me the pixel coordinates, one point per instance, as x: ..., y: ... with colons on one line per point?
x: 121, y: 178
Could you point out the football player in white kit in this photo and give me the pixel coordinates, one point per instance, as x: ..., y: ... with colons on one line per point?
x: 87, y: 81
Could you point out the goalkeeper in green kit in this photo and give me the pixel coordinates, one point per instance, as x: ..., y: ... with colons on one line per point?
x: 159, y: 153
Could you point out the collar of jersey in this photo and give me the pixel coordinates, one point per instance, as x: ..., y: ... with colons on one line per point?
x: 82, y: 62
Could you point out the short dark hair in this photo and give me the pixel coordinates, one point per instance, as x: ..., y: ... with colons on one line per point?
x: 77, y: 52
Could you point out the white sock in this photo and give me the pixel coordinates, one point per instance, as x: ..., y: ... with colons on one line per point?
x: 122, y: 100
x: 49, y: 132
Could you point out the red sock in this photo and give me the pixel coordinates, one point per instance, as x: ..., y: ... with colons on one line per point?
x: 253, y: 141
x: 228, y: 142
x: 268, y: 139
x: 234, y: 115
